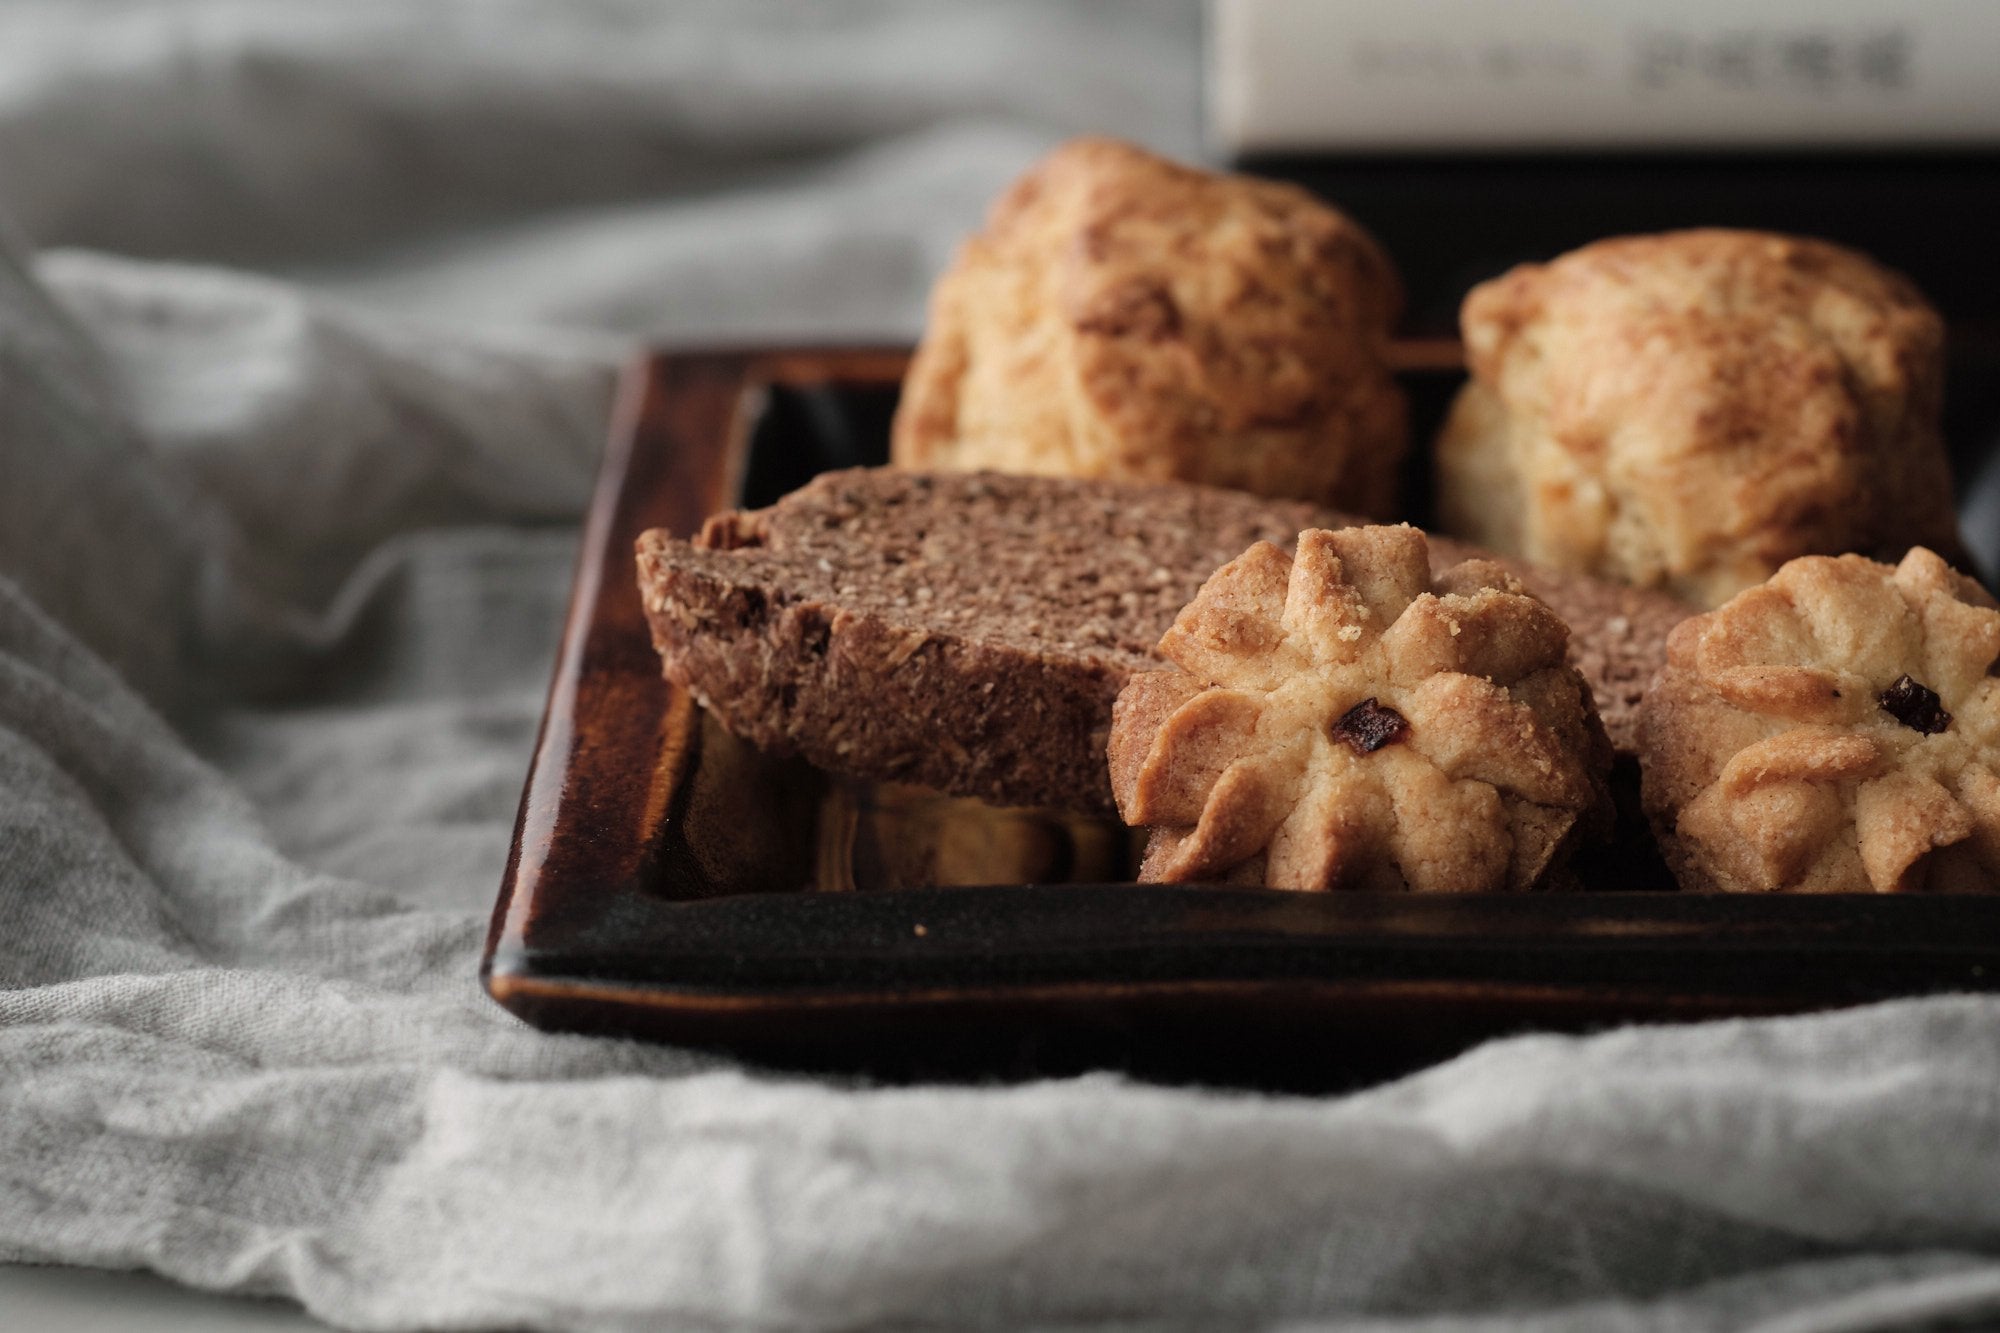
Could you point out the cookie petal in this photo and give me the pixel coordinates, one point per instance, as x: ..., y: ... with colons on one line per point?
x: 1961, y: 626
x: 1163, y: 844
x: 1334, y: 832
x: 1859, y: 622
x: 1923, y: 572
x: 1502, y: 636
x: 1762, y: 656
x: 1190, y: 750
x: 1803, y: 754
x: 1246, y: 804
x: 1137, y: 715
x: 1473, y: 729
x: 1232, y: 633
x: 1470, y: 576
x: 1899, y: 819
x: 1327, y: 612
x: 1449, y: 837
x: 1389, y: 566
x: 1541, y: 834
x: 1979, y: 794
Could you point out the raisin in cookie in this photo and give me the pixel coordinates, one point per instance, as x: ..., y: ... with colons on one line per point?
x: 1342, y: 720
x: 1690, y: 410
x: 1833, y: 730
x: 1127, y: 317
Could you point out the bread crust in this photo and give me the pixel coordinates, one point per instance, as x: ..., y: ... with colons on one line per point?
x: 1125, y: 316
x: 971, y: 631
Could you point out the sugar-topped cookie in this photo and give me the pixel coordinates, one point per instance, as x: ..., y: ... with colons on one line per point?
x: 1833, y: 730
x: 1343, y: 720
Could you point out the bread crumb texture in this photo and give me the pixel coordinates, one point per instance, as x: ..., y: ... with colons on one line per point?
x: 1124, y: 316
x: 965, y: 631
x: 970, y: 631
x: 1342, y: 719
x: 1834, y: 730
x: 1690, y: 410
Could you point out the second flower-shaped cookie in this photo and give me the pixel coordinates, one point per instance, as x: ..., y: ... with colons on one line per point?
x: 1343, y: 720
x: 1832, y: 730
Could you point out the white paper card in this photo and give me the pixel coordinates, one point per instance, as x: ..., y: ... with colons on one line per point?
x: 1466, y: 74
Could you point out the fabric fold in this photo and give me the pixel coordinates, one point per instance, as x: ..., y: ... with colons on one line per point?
x: 282, y: 565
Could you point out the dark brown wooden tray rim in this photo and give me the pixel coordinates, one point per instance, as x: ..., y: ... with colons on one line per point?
x: 579, y: 941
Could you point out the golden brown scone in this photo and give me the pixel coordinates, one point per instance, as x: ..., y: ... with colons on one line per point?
x: 1690, y: 410
x: 1124, y: 316
x: 1831, y: 731
x: 1342, y: 720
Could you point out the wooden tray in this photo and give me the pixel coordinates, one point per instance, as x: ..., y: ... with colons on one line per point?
x: 660, y: 883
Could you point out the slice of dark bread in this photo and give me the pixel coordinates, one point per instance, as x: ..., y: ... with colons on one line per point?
x: 969, y: 631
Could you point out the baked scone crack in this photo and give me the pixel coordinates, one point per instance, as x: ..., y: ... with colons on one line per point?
x: 1832, y: 730
x: 1124, y: 316
x: 1690, y: 410
x: 1340, y: 719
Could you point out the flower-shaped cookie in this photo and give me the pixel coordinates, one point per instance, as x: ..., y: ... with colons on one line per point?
x: 1342, y: 720
x: 1832, y: 730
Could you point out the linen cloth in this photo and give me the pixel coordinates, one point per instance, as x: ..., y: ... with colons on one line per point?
x: 282, y: 561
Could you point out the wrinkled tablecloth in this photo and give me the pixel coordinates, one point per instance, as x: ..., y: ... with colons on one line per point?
x: 307, y: 320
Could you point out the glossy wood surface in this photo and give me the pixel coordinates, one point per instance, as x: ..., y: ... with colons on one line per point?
x: 659, y: 884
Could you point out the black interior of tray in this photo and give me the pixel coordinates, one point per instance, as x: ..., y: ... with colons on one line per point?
x: 1455, y: 220
x: 806, y: 430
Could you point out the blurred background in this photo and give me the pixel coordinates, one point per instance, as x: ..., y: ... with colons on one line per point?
x: 308, y: 362
x: 670, y: 171
x: 1475, y: 136
x: 656, y: 171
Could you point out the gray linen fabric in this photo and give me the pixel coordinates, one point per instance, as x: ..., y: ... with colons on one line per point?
x: 280, y: 575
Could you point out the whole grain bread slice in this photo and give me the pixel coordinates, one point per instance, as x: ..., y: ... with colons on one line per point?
x: 970, y: 631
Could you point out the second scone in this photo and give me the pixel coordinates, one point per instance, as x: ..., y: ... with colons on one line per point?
x: 1123, y: 316
x: 1690, y: 410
